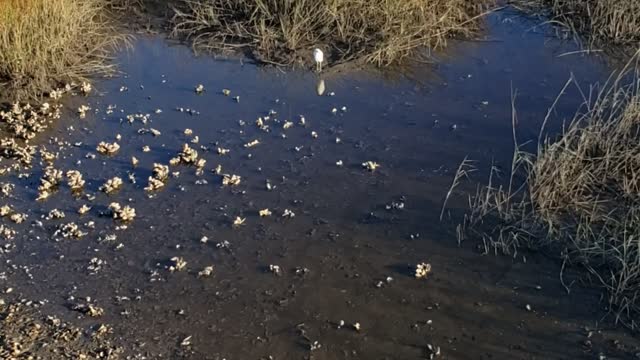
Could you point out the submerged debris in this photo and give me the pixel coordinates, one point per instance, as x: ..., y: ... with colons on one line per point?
x: 85, y: 87
x: 55, y: 214
x: 106, y: 148
x: 422, y: 270
x: 70, y: 230
x: 26, y: 121
x: 125, y: 213
x: 177, y: 264
x: 206, y: 272
x: 159, y: 178
x: 370, y: 165
x: 82, y: 111
x: 111, y: 185
x: 84, y: 209
x: 252, y: 143
x: 231, y: 180
x: 264, y: 212
x: 75, y: 180
x: 275, y: 269
x: 238, y: 221
x: 48, y: 182
x: 88, y: 309
x: 188, y: 156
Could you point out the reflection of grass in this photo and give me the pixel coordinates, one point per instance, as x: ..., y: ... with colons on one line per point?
x: 580, y: 197
x: 377, y: 31
x: 44, y: 42
x: 611, y: 21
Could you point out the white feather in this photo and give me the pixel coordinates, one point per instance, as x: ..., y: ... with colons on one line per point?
x: 318, y: 56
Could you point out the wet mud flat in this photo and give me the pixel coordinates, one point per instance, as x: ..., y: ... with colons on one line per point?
x: 204, y: 272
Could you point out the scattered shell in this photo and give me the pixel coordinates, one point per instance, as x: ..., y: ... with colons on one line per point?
x: 199, y: 89
x: 55, y: 214
x: 125, y: 213
x: 238, y: 221
x: 187, y: 156
x: 265, y: 212
x: 111, y: 185
x: 230, y: 180
x: 75, y: 180
x: 288, y: 213
x: 134, y: 161
x: 85, y: 87
x: 82, y: 111
x: 178, y: 264
x: 154, y: 184
x: 370, y: 165
x: 252, y: 143
x: 70, y: 230
x: 84, y: 209
x: 207, y: 271
x: 223, y: 151
x: 275, y: 269
x: 422, y: 270
x: 5, y: 210
x: 106, y: 148
x: 18, y: 218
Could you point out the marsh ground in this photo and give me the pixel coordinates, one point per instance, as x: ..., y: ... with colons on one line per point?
x: 471, y: 306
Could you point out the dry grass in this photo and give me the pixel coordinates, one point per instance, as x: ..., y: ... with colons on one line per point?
x: 604, y: 22
x: 46, y: 42
x: 285, y: 31
x: 579, y: 195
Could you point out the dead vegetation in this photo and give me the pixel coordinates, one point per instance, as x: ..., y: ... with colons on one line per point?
x: 27, y: 334
x: 612, y: 22
x: 284, y: 32
x: 44, y: 43
x: 579, y: 196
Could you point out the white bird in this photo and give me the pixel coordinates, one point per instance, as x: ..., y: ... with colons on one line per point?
x: 318, y: 56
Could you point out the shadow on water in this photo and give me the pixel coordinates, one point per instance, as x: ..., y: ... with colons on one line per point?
x: 470, y: 306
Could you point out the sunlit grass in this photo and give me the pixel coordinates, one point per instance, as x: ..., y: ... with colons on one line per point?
x: 285, y: 32
x: 46, y: 42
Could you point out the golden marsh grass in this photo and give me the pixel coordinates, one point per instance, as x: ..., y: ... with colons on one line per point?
x: 47, y: 42
x: 578, y: 195
x: 284, y: 32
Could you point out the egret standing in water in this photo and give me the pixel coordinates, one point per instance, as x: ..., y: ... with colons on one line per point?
x: 318, y: 56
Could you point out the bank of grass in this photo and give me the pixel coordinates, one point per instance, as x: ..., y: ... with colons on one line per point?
x: 578, y: 195
x: 285, y: 31
x: 610, y: 22
x: 47, y: 42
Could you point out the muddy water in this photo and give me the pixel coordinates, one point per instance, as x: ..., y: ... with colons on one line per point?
x: 344, y: 256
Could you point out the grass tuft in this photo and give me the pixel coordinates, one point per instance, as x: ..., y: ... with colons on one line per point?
x: 610, y: 22
x: 578, y: 195
x: 284, y: 31
x: 47, y: 42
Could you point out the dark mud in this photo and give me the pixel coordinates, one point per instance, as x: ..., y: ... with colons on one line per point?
x: 349, y: 253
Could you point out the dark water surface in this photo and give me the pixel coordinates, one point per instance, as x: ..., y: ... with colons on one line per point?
x: 471, y: 306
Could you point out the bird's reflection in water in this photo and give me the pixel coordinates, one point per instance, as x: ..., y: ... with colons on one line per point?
x: 320, y: 87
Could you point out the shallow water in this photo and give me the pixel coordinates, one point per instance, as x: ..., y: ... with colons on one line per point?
x: 471, y: 306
